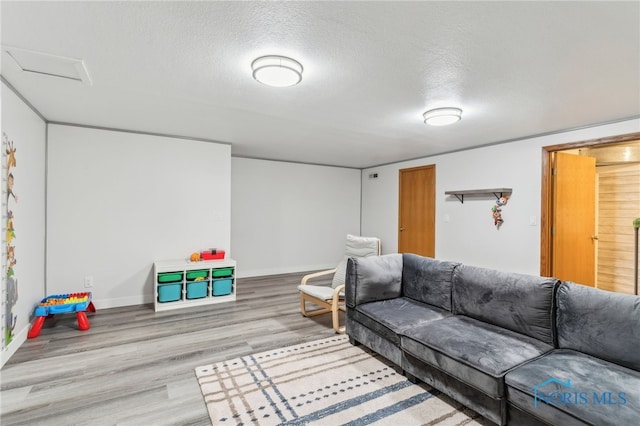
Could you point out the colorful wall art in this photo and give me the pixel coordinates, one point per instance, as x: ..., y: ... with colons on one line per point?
x: 496, y: 211
x: 9, y: 259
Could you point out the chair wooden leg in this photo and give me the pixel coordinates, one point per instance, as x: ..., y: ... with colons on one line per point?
x: 335, y: 313
x: 336, y: 322
x: 306, y: 313
x: 325, y: 308
x: 303, y: 309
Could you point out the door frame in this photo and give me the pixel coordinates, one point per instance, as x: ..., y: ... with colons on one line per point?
x: 546, y: 202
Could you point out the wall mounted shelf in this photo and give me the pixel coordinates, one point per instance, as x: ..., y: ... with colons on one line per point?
x: 497, y: 192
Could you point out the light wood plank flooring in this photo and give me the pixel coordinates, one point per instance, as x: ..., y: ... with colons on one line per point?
x: 135, y: 366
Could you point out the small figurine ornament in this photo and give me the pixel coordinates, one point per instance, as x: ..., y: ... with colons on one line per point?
x: 496, y: 211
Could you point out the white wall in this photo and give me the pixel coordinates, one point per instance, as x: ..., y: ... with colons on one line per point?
x: 470, y: 235
x: 118, y: 201
x: 289, y: 217
x: 28, y: 133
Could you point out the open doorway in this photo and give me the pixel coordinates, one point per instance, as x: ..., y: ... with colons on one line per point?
x: 609, y: 244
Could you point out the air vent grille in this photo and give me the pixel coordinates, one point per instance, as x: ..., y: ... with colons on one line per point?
x: 30, y: 61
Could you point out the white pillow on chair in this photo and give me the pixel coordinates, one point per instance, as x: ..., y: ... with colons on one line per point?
x: 355, y: 247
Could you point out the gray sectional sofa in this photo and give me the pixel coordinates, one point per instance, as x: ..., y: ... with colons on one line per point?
x: 518, y: 349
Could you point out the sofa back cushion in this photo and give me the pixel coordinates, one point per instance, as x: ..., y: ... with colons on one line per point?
x: 518, y: 302
x: 427, y: 280
x: 371, y: 279
x: 599, y: 323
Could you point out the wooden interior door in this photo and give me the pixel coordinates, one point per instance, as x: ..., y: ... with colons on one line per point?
x: 573, y: 232
x: 416, y: 217
x: 618, y: 206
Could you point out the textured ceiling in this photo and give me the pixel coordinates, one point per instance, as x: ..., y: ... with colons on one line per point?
x: 370, y: 70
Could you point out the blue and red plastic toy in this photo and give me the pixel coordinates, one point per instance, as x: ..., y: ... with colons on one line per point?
x: 62, y: 304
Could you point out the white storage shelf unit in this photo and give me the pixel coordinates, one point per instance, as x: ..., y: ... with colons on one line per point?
x: 181, y: 283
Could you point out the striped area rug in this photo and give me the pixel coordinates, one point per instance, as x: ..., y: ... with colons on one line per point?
x: 325, y: 382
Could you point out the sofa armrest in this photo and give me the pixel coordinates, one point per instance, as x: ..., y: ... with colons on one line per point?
x: 374, y: 278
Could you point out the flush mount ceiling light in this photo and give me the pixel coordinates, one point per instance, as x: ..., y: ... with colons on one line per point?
x: 442, y: 116
x: 277, y: 71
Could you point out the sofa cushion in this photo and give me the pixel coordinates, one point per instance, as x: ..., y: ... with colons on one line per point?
x: 374, y: 278
x: 493, y: 409
x: 474, y: 352
x: 518, y: 302
x: 382, y: 317
x: 600, y: 323
x: 427, y: 280
x: 361, y: 334
x: 578, y: 387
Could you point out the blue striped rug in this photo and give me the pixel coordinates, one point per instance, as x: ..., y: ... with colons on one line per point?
x: 324, y: 382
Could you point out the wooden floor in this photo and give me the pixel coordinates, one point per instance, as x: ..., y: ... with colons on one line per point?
x: 135, y: 366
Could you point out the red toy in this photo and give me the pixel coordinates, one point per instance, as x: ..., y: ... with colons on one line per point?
x: 212, y: 254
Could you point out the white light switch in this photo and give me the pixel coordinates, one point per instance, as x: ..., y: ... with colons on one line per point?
x: 533, y: 221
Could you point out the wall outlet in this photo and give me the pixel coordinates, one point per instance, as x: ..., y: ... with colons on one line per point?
x: 88, y: 281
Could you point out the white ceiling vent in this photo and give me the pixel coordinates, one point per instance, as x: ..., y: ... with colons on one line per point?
x: 51, y: 65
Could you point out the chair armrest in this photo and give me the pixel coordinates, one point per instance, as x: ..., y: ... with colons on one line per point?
x: 316, y: 275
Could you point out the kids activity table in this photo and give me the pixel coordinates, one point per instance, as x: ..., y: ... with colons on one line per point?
x: 63, y: 304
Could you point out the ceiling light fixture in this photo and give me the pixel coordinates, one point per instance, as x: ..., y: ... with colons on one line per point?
x: 277, y: 71
x: 442, y: 116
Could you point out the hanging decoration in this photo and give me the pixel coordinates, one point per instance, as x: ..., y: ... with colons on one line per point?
x: 9, y: 279
x: 496, y: 211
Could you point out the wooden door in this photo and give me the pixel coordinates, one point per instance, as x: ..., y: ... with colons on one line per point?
x: 416, y: 216
x: 618, y: 206
x: 574, y: 218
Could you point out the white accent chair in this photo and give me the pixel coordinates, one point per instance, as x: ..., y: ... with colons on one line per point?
x: 331, y: 299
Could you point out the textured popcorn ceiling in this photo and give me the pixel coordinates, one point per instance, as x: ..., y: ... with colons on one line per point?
x: 370, y: 70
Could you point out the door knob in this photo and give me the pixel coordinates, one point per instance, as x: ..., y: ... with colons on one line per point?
x: 594, y: 237
x: 401, y: 228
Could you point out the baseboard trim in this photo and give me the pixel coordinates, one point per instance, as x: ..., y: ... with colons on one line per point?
x: 243, y: 273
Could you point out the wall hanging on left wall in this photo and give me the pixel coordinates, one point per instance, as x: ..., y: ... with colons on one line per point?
x: 9, y: 260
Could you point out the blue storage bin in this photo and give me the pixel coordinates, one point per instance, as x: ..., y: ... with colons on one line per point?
x: 197, y: 289
x: 221, y: 287
x: 169, y: 292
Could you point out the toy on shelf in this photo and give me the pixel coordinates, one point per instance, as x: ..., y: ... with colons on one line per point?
x: 212, y: 254
x: 63, y: 304
x: 208, y: 254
